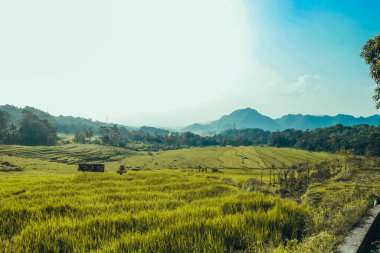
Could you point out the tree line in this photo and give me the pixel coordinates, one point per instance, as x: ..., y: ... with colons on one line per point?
x: 359, y: 139
x: 31, y: 131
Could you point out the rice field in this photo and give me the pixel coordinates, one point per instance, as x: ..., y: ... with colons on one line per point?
x: 152, y: 211
x: 68, y: 154
x: 166, y: 203
x: 226, y: 158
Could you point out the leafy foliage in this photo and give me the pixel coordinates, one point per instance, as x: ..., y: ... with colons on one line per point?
x: 63, y: 124
x: 32, y: 131
x: 371, y: 54
x: 122, y: 169
x: 361, y: 139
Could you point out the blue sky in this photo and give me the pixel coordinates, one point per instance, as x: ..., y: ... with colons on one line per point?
x: 319, y: 39
x: 176, y: 62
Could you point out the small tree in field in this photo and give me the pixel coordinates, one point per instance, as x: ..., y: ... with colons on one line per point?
x: 122, y: 169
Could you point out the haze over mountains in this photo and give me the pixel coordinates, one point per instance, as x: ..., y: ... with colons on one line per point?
x: 63, y: 124
x: 68, y: 124
x: 250, y: 118
x: 239, y: 119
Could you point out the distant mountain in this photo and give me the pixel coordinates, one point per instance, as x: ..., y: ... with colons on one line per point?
x: 239, y: 119
x: 64, y: 124
x: 250, y: 118
x: 303, y: 122
x: 154, y: 130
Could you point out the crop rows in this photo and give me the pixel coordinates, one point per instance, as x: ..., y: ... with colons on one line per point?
x: 67, y: 153
x: 140, y: 212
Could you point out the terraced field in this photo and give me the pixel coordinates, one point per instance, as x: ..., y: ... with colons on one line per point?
x: 152, y: 211
x: 171, y: 201
x: 65, y: 157
x: 227, y: 158
x: 69, y: 154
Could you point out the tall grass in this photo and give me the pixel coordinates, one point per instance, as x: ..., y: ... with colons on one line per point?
x: 111, y: 213
x: 50, y: 207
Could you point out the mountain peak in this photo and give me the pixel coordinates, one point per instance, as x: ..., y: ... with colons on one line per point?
x: 245, y: 110
x: 250, y: 118
x: 239, y: 119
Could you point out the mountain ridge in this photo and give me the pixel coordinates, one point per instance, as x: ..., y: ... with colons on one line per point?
x: 250, y: 118
x: 64, y: 124
x: 70, y: 124
x: 238, y: 119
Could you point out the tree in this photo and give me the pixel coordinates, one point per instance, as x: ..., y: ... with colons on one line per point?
x: 3, y: 119
x: 34, y: 131
x: 104, y: 135
x: 79, y: 137
x: 3, y: 124
x: 111, y: 136
x: 371, y: 54
x: 89, y: 132
x: 122, y: 169
x: 115, y: 136
x: 83, y: 136
x: 12, y: 134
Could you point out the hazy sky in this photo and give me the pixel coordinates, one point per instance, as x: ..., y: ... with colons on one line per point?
x: 175, y: 62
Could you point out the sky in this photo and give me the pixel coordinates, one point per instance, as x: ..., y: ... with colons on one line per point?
x: 170, y: 63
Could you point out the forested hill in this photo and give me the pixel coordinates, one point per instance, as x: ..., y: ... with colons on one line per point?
x: 239, y: 119
x: 39, y: 128
x: 63, y: 124
x: 250, y: 118
x: 303, y: 122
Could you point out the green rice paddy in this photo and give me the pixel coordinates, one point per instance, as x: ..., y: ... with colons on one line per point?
x: 171, y: 201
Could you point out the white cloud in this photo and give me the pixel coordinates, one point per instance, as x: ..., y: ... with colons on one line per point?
x: 303, y: 84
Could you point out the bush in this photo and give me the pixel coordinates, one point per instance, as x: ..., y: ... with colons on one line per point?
x: 122, y: 169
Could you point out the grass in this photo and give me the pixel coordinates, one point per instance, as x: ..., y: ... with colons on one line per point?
x: 169, y: 205
x: 149, y: 211
x: 69, y: 154
x: 225, y: 158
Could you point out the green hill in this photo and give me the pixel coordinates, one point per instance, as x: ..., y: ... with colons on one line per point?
x: 63, y: 124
